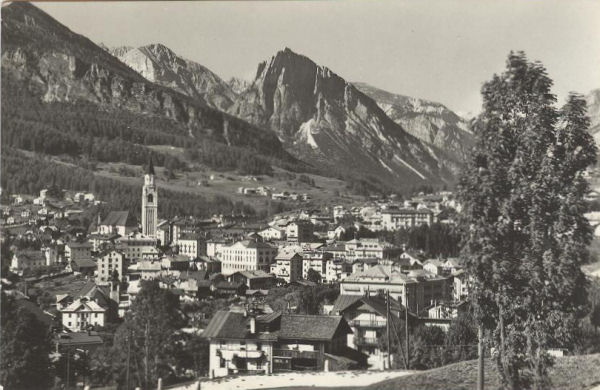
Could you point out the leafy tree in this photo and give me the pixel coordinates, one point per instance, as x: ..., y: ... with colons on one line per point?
x: 427, y: 346
x: 524, y: 233
x: 461, y: 339
x: 25, y: 348
x: 595, y: 317
x: 149, y: 336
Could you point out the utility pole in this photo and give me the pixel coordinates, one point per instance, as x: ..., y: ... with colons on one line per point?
x: 128, y: 354
x: 406, y: 330
x: 68, y: 359
x: 387, y: 322
x: 480, y: 356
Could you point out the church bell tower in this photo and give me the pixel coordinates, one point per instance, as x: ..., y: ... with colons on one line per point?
x: 149, y: 203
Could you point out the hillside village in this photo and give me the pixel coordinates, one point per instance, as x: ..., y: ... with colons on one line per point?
x: 161, y: 227
x: 98, y: 264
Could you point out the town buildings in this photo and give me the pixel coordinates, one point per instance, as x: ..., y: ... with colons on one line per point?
x: 288, y: 266
x: 406, y: 218
x: 242, y: 343
x: 118, y: 222
x: 110, y: 263
x: 247, y: 255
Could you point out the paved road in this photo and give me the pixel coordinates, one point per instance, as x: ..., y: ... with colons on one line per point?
x: 317, y: 379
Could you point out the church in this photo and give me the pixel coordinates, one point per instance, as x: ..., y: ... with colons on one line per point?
x: 149, y: 203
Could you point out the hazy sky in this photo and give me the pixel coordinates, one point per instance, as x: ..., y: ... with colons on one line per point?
x: 440, y: 50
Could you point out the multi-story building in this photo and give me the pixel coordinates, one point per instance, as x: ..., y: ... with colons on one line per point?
x: 108, y: 263
x: 138, y: 246
x: 417, y: 289
x: 243, y: 343
x: 366, y: 248
x: 317, y: 261
x: 272, y: 233
x: 287, y: 266
x: 299, y: 231
x: 367, y: 316
x: 336, y: 270
x: 78, y: 251
x: 460, y: 285
x: 81, y: 314
x: 406, y: 218
x: 191, y: 245
x: 27, y: 260
x: 247, y: 255
x: 214, y: 247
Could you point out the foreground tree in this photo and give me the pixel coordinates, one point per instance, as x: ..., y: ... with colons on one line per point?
x: 146, y: 345
x: 25, y: 347
x: 524, y: 234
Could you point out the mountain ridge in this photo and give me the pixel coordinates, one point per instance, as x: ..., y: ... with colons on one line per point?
x: 159, y: 64
x: 319, y: 116
x: 45, y: 59
x: 431, y: 122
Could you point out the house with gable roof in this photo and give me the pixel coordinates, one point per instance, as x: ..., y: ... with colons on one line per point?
x: 248, y: 342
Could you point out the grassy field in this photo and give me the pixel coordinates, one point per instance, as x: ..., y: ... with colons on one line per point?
x: 570, y: 373
x: 210, y: 183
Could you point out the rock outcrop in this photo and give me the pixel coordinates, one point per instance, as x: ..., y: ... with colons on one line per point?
x: 321, y: 117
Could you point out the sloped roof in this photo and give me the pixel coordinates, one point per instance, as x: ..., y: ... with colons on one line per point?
x: 254, y: 274
x: 379, y: 273
x: 119, y: 218
x: 84, y: 305
x: 85, y: 263
x: 78, y: 338
x: 311, y: 327
x: 435, y: 262
x: 226, y: 324
x: 343, y: 302
x: 196, y: 275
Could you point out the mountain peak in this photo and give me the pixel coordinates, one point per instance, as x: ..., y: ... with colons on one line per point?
x: 321, y: 117
x: 159, y: 64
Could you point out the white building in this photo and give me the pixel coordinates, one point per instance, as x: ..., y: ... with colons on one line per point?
x: 272, y: 233
x: 191, y: 246
x: 138, y: 247
x: 287, y: 266
x: 82, y: 313
x: 406, y: 218
x: 118, y: 222
x: 108, y: 263
x: 247, y: 255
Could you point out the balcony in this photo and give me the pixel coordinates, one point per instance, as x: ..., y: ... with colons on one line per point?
x: 292, y: 353
x: 368, y: 323
x: 366, y: 341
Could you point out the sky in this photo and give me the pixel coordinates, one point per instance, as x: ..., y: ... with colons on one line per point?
x: 441, y: 50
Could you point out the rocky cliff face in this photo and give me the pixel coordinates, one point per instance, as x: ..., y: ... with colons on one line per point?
x: 431, y: 122
x: 51, y: 62
x: 161, y: 65
x: 238, y: 85
x: 321, y: 117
